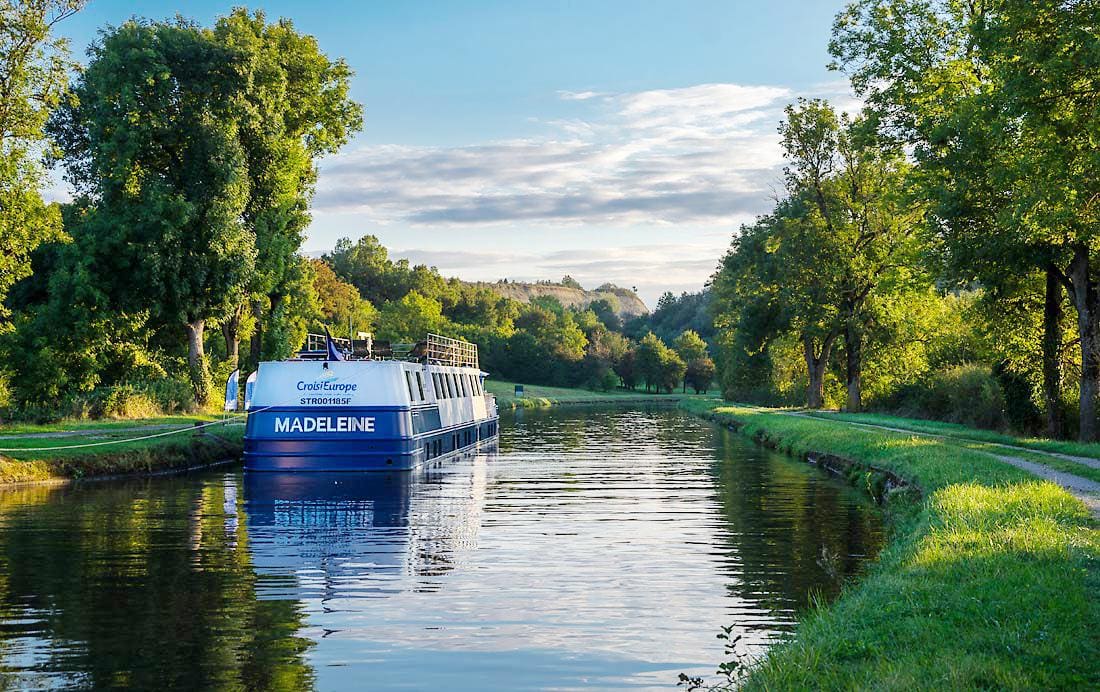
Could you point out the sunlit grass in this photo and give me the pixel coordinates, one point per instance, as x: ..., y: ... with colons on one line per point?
x: 103, y: 424
x: 988, y: 582
x: 144, y: 456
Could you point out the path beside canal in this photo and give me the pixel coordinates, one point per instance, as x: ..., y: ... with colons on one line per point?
x: 1084, y: 489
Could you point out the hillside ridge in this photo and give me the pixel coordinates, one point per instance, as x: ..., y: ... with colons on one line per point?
x: 625, y: 301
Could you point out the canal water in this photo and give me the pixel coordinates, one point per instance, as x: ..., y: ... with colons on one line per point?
x: 597, y: 549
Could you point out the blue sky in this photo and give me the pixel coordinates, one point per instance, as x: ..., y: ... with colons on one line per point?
x: 613, y: 141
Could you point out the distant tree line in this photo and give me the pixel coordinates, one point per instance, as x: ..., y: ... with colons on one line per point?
x: 541, y: 342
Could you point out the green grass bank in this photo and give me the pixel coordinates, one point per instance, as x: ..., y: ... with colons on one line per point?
x: 538, y: 396
x: 106, y: 448
x: 989, y: 581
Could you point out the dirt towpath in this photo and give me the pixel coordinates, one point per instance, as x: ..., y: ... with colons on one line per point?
x: 1084, y: 489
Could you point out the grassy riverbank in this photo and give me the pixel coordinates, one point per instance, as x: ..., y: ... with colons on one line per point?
x: 93, y: 425
x: 989, y: 580
x: 538, y: 396
x: 70, y: 451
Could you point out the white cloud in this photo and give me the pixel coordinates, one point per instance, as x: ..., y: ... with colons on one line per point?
x: 705, y: 154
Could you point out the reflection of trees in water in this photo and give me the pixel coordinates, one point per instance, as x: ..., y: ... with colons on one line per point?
x: 580, y: 427
x: 146, y: 584
x: 791, y: 532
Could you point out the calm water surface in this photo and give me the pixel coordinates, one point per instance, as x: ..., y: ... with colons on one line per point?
x: 600, y: 549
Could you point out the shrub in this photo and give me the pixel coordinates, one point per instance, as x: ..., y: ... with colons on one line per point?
x: 967, y: 394
x: 138, y: 400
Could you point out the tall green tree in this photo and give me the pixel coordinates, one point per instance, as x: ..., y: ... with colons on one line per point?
x: 691, y: 348
x: 150, y: 136
x: 864, y: 226
x: 33, y: 75
x: 342, y: 309
x: 821, y: 266
x: 292, y: 108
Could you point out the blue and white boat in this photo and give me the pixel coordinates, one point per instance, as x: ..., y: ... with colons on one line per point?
x: 344, y: 405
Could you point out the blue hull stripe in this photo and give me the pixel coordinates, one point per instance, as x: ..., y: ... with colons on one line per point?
x: 353, y: 439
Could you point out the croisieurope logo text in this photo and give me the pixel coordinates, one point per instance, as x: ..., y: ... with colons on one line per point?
x: 342, y: 387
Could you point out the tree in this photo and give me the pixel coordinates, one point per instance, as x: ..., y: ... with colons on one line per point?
x: 749, y: 311
x: 289, y: 322
x: 411, y: 318
x: 627, y: 369
x: 292, y: 107
x: 861, y: 220
x: 780, y: 276
x: 672, y: 369
x: 341, y: 307
x: 606, y: 313
x: 604, y: 350
x: 150, y: 136
x: 699, y: 374
x: 33, y: 74
x: 570, y: 282
x: 657, y: 364
x: 690, y: 347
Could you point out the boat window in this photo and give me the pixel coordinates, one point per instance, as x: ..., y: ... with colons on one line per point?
x: 420, y: 386
x: 465, y: 385
x: 451, y: 386
x: 409, y: 381
x: 438, y: 389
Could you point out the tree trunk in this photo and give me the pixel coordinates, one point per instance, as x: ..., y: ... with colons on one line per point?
x: 853, y: 361
x: 816, y: 363
x: 196, y: 362
x: 1085, y: 300
x: 1052, y: 363
x: 231, y: 330
x: 256, y: 343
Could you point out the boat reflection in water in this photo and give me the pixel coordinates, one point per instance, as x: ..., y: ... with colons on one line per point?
x: 361, y: 535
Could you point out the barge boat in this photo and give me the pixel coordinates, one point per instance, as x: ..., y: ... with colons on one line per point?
x: 344, y: 405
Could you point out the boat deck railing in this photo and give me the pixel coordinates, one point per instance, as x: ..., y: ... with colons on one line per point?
x: 436, y: 349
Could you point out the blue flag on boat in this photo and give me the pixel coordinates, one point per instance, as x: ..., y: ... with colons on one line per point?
x: 231, y: 390
x: 330, y: 346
